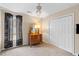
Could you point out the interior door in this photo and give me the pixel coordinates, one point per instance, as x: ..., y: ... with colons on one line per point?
x: 62, y: 32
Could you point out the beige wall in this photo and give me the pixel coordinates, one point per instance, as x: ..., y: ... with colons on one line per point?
x: 45, y: 30
x: 75, y: 11
x: 27, y: 20
x: 1, y: 29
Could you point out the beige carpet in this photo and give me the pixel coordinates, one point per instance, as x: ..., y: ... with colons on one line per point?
x: 38, y: 50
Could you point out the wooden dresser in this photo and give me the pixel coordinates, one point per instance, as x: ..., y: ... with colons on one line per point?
x: 34, y: 39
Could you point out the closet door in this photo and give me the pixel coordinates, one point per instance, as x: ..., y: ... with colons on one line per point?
x: 8, y: 28
x: 62, y: 32
x: 19, y: 38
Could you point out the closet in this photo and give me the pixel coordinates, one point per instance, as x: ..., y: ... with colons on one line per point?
x: 62, y: 32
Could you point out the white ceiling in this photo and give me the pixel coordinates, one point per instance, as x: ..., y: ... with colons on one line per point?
x: 48, y: 8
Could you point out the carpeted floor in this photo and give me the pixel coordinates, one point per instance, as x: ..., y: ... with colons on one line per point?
x: 38, y: 50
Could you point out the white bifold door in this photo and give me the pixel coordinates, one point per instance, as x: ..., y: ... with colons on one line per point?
x: 62, y: 32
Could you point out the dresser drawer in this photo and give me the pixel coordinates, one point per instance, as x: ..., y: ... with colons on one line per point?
x: 35, y: 39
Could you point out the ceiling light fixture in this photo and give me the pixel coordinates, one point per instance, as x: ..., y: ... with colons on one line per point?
x: 37, y: 11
